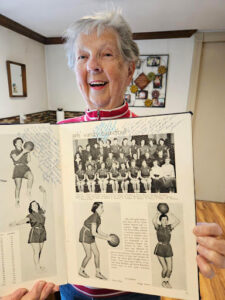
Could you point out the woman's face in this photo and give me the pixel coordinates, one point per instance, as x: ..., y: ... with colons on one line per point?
x: 19, y: 144
x: 164, y: 221
x: 155, y: 163
x: 34, y: 206
x: 77, y: 155
x: 100, y: 209
x: 101, y: 72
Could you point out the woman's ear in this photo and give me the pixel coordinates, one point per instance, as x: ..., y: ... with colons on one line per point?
x: 131, y: 69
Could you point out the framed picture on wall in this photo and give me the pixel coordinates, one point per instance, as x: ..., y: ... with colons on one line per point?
x: 149, y: 83
x: 16, y: 79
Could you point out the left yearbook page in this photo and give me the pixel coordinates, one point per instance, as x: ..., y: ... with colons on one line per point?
x: 31, y: 207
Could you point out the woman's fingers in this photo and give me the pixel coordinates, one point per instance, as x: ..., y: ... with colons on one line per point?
x: 212, y: 256
x: 212, y: 243
x: 40, y: 291
x: 36, y: 291
x: 207, y: 229
x: 17, y: 295
x: 211, y: 249
x: 204, y: 267
x: 47, y: 290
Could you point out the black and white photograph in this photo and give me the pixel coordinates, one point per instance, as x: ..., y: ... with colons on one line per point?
x: 167, y: 245
x: 132, y: 164
x: 99, y: 232
x: 37, y: 235
x: 153, y: 61
x: 21, y: 157
x: 28, y: 209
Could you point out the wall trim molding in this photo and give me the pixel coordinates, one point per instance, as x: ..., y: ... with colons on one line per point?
x: 14, y: 26
x: 194, y: 76
x: 213, y: 37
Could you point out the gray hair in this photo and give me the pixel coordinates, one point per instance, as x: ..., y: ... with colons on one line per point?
x: 101, y: 21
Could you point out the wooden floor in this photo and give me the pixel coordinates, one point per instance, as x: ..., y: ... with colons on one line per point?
x: 213, y: 289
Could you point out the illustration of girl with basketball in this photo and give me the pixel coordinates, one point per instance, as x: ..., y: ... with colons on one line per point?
x: 92, y: 229
x: 164, y: 225
x: 21, y: 157
x: 37, y: 235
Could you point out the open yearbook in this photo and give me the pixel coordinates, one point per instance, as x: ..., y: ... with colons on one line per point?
x: 106, y: 204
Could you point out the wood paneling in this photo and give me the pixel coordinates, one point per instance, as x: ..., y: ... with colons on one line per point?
x: 163, y: 34
x: 10, y: 24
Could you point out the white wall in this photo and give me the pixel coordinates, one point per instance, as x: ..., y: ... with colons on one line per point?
x: 18, y: 48
x: 63, y: 91
x: 62, y: 88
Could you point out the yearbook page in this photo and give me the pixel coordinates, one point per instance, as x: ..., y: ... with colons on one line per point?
x: 31, y: 211
x: 129, y: 205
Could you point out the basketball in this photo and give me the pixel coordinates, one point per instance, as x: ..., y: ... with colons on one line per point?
x: 163, y: 208
x: 29, y: 146
x: 115, y: 240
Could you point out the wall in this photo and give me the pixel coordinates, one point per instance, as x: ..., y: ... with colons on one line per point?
x: 63, y: 91
x: 209, y: 124
x: 18, y: 48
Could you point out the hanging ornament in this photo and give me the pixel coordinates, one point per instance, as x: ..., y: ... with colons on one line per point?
x: 155, y: 94
x: 151, y: 76
x: 133, y: 89
x: 142, y: 81
x: 162, y: 70
x: 148, y: 102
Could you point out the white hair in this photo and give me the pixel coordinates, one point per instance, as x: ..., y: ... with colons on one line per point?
x: 100, y: 22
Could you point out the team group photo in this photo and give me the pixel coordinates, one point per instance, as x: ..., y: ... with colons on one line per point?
x: 134, y: 164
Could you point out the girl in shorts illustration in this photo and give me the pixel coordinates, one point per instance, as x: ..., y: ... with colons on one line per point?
x: 21, y: 157
x: 37, y: 235
x: 91, y: 230
x: 163, y: 249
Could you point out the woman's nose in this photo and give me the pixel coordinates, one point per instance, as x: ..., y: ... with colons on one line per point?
x: 93, y: 65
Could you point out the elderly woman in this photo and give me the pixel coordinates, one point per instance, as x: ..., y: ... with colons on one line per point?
x: 103, y: 55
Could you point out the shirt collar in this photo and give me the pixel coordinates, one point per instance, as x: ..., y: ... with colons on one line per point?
x: 105, y: 114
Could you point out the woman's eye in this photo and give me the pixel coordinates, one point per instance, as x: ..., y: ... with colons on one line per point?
x: 108, y: 54
x: 81, y: 57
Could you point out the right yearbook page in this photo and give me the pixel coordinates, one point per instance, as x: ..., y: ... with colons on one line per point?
x: 129, y: 205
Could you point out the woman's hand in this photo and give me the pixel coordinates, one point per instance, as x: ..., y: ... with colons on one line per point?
x: 211, y: 250
x: 40, y: 291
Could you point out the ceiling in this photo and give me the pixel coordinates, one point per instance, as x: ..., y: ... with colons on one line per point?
x: 51, y: 17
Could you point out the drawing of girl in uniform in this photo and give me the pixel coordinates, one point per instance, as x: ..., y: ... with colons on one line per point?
x: 163, y: 249
x: 37, y: 235
x: 92, y: 229
x: 21, y: 157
